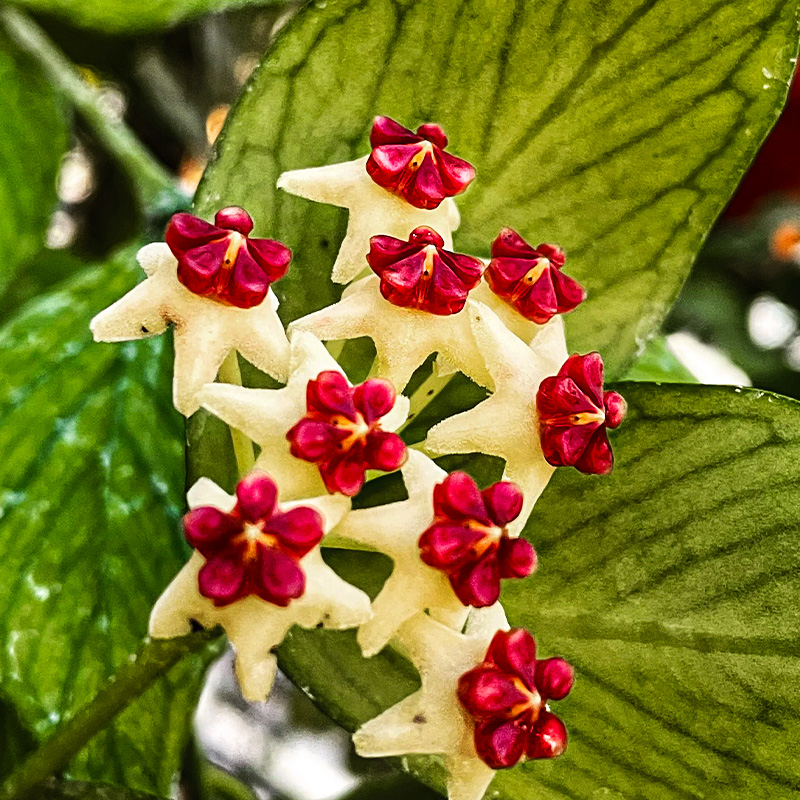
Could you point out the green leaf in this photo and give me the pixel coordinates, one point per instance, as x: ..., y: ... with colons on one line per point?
x: 617, y: 129
x: 125, y: 17
x: 80, y: 790
x: 33, y: 137
x: 657, y: 363
x: 17, y: 741
x: 672, y: 586
x: 91, y: 481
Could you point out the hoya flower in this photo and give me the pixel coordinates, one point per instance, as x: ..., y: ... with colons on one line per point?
x: 575, y: 413
x: 257, y: 571
x: 299, y: 428
x: 403, y: 337
x: 415, y: 166
x: 394, y: 530
x: 205, y: 329
x: 469, y: 541
x: 222, y: 261
x: 530, y: 279
x: 506, y: 696
x: 375, y: 210
x: 341, y: 431
x: 421, y: 274
x: 256, y: 548
x: 432, y: 720
x: 506, y: 425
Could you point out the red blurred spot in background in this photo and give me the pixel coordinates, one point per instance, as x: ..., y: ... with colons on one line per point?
x: 776, y: 169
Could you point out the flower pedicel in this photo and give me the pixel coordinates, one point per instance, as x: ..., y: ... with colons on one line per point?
x: 257, y: 567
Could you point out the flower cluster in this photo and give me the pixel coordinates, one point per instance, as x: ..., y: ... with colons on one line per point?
x: 257, y: 568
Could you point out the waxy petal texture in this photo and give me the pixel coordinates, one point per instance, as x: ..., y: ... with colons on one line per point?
x: 575, y: 413
x: 421, y: 274
x: 221, y: 262
x: 255, y: 549
x: 341, y: 431
x: 530, y: 279
x: 468, y: 539
x: 507, y: 696
x: 415, y: 166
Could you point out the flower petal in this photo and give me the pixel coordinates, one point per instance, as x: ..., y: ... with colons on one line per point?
x: 374, y: 399
x: 299, y: 529
x: 548, y: 739
x: 458, y: 498
x: 500, y: 744
x: 257, y: 496
x: 489, y: 693
x: 554, y: 678
x: 223, y: 578
x: 448, y: 546
x: 330, y: 393
x: 503, y: 502
x: 278, y: 578
x: 478, y: 584
x: 516, y: 558
x: 515, y: 651
x: 208, y: 529
x: 384, y: 451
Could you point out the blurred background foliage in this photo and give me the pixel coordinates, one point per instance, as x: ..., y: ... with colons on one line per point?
x: 737, y: 320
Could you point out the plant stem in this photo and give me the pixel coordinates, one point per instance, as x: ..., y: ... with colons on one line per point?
x: 155, y: 657
x: 229, y: 372
x: 425, y: 394
x: 152, y: 182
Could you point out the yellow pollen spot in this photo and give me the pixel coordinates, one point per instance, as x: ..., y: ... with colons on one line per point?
x: 425, y: 148
x: 531, y: 276
x: 251, y: 537
x: 235, y: 242
x: 430, y: 253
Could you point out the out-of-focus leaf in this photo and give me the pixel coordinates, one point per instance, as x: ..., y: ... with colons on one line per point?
x: 33, y: 137
x: 657, y: 363
x: 124, y: 16
x: 81, y: 790
x: 91, y: 482
x: 16, y: 740
x: 617, y: 129
x: 672, y: 586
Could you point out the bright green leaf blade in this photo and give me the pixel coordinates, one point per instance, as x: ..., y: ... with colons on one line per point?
x: 672, y: 585
x: 125, y: 17
x: 33, y: 137
x: 91, y: 481
x: 618, y: 129
x: 657, y: 363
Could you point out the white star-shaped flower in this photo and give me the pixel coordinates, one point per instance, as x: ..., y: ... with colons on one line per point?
x: 395, y: 529
x: 254, y: 626
x: 507, y: 423
x: 431, y: 721
x: 205, y: 330
x: 266, y: 415
x: 403, y: 337
x: 373, y: 210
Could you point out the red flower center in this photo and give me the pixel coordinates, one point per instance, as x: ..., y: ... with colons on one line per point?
x: 221, y: 261
x: 256, y: 548
x: 575, y: 413
x: 468, y: 540
x: 341, y: 432
x: 506, y: 697
x: 531, y: 279
x: 416, y: 166
x: 421, y: 274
